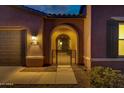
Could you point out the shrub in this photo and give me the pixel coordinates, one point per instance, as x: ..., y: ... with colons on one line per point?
x: 105, y: 77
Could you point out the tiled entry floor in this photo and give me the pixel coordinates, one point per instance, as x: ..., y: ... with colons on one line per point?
x: 15, y: 75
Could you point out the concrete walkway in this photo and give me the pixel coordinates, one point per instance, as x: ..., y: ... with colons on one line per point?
x: 63, y: 75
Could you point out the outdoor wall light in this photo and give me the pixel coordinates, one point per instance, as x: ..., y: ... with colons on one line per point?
x: 60, y: 43
x: 34, y: 40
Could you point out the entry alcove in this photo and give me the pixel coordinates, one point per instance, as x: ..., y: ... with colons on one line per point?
x: 64, y: 41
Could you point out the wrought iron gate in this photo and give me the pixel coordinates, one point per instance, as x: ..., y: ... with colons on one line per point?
x: 64, y: 57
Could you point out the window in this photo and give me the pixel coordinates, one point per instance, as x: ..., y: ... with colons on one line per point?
x: 121, y: 40
x: 115, y: 38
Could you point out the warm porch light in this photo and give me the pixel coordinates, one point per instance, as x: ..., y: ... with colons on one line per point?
x: 34, y: 40
x: 60, y: 43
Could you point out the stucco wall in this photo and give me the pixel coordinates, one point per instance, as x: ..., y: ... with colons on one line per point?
x: 40, y: 37
x: 87, y: 38
x: 29, y: 38
x: 100, y: 15
x: 12, y: 16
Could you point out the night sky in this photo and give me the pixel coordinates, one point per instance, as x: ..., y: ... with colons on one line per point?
x: 57, y: 9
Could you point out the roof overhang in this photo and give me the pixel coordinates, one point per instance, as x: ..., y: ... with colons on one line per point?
x: 45, y: 15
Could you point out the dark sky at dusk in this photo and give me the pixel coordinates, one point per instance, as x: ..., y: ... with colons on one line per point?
x: 63, y: 9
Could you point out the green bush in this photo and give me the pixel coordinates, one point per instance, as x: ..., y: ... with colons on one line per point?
x: 105, y: 77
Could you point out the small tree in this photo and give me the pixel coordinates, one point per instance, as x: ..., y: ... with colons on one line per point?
x: 105, y: 77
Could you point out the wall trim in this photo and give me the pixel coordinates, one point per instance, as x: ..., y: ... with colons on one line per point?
x: 107, y: 59
x: 12, y: 28
x: 34, y: 57
x: 103, y: 59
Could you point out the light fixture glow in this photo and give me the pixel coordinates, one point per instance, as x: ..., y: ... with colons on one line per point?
x: 60, y: 43
x: 34, y: 40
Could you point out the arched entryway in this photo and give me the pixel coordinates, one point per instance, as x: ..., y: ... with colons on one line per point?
x: 64, y: 45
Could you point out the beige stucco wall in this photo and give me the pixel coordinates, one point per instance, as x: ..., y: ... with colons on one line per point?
x: 87, y: 38
x: 40, y: 38
x: 28, y: 39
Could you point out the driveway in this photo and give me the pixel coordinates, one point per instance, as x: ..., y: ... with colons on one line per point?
x: 17, y: 75
x: 62, y: 76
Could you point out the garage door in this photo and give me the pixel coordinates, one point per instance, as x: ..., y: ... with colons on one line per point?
x: 11, y: 47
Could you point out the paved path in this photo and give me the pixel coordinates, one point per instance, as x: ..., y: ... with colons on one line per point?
x: 63, y: 75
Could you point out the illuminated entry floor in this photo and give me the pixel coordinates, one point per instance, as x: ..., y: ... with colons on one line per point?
x: 64, y: 59
x: 15, y: 75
